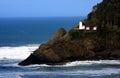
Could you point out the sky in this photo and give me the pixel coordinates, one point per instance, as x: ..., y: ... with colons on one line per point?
x: 46, y: 8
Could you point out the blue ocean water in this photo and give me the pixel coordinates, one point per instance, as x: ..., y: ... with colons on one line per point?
x: 21, y: 31
x: 19, y: 37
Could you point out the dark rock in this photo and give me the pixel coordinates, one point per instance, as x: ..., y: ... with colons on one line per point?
x: 58, y: 35
x: 115, y: 53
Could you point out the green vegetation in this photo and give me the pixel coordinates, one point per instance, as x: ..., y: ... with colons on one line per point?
x: 105, y: 15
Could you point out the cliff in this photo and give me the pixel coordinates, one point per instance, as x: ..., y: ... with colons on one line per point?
x: 103, y: 43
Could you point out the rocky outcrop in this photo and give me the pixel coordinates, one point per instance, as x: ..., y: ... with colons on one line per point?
x: 58, y: 35
x: 68, y: 48
x: 81, y: 44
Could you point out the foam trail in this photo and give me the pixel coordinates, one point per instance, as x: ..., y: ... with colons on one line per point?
x: 20, y: 52
x: 78, y: 63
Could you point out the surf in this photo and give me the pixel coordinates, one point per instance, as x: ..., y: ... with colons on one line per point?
x: 19, y: 52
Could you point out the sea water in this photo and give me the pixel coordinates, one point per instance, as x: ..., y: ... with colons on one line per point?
x: 19, y: 37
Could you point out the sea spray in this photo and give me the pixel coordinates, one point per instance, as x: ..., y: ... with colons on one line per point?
x: 20, y: 52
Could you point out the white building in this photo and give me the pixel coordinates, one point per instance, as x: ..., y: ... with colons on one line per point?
x: 88, y: 28
x: 81, y: 26
x: 95, y: 28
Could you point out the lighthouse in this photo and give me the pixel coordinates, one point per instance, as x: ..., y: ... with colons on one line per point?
x: 81, y: 26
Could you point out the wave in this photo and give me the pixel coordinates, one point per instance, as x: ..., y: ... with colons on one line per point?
x: 20, y: 52
x: 80, y: 63
x: 77, y: 63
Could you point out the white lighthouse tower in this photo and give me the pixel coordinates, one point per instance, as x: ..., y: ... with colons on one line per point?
x: 81, y: 26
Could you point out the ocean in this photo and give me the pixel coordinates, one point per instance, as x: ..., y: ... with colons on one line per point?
x: 19, y: 37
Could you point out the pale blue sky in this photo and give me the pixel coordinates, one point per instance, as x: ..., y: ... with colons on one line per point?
x: 46, y: 8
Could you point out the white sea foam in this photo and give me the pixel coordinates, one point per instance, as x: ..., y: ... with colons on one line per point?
x: 20, y: 52
x: 77, y: 63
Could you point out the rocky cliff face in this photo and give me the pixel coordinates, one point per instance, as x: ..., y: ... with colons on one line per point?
x: 81, y: 44
x: 74, y: 45
x: 58, y: 35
